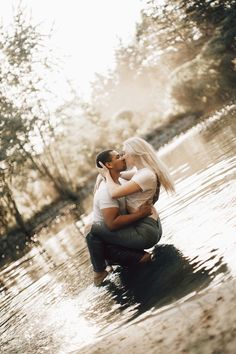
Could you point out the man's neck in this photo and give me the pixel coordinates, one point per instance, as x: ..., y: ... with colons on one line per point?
x: 115, y: 176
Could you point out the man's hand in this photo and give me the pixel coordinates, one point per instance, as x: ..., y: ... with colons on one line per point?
x: 156, y: 195
x: 115, y: 221
x: 145, y: 209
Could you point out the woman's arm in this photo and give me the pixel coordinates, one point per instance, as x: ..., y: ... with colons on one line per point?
x: 127, y: 174
x: 99, y: 179
x: 116, y: 190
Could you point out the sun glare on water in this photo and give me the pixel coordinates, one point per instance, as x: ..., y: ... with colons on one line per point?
x: 84, y: 33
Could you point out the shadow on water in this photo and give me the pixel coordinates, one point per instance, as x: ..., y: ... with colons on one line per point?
x: 168, y: 278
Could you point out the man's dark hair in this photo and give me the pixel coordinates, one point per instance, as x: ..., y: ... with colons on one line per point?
x: 104, y: 156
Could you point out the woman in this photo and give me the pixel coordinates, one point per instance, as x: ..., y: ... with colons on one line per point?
x: 143, y: 185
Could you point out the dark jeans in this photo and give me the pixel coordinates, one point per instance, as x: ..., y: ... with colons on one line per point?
x: 142, y: 234
x: 121, y: 255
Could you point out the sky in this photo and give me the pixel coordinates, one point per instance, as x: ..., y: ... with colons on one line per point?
x: 85, y: 32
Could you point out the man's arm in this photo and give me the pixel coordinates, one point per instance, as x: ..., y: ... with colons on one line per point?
x: 115, y: 221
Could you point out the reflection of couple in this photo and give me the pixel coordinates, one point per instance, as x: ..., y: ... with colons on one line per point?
x: 125, y: 220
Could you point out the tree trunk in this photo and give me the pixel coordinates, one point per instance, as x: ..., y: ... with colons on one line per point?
x: 17, y: 215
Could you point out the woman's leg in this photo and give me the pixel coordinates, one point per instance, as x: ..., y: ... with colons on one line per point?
x: 100, y: 250
x: 142, y: 234
x: 122, y: 255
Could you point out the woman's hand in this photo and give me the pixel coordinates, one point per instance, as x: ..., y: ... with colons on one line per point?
x: 99, y: 179
x: 104, y: 171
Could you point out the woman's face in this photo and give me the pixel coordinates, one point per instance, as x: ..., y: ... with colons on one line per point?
x: 129, y: 159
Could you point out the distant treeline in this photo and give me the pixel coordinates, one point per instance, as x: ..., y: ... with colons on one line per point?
x: 182, y: 61
x: 27, y: 128
x: 183, y: 58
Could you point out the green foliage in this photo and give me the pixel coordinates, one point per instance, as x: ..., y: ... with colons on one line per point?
x: 18, y: 85
x: 182, y: 58
x: 25, y: 123
x: 18, y: 45
x: 208, y: 13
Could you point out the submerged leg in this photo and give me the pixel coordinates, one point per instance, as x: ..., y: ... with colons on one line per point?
x: 100, y: 252
x: 122, y: 256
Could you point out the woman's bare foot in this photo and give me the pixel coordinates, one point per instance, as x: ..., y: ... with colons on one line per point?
x: 99, y: 277
x: 146, y: 258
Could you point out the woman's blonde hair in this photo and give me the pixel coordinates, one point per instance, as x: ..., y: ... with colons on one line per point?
x: 145, y: 156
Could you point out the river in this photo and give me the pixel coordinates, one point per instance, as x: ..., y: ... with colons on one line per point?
x: 48, y: 303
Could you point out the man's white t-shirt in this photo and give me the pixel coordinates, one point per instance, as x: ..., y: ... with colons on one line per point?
x: 103, y: 200
x: 147, y: 180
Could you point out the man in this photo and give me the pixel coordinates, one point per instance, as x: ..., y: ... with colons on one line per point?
x: 113, y: 213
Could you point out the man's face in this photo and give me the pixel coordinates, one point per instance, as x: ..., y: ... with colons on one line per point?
x: 117, y: 162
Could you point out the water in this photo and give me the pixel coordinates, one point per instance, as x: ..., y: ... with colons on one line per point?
x: 48, y: 303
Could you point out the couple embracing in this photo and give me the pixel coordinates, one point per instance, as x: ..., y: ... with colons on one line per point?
x: 125, y: 221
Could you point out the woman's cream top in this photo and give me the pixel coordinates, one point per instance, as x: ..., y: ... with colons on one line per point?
x: 147, y: 180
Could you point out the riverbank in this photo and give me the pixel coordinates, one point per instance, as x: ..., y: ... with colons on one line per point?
x: 203, y: 324
x: 174, y: 125
x: 15, y: 243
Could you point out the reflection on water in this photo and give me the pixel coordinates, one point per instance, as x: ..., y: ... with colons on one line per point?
x: 48, y: 303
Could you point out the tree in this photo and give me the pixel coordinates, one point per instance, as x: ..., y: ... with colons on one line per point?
x: 24, y: 115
